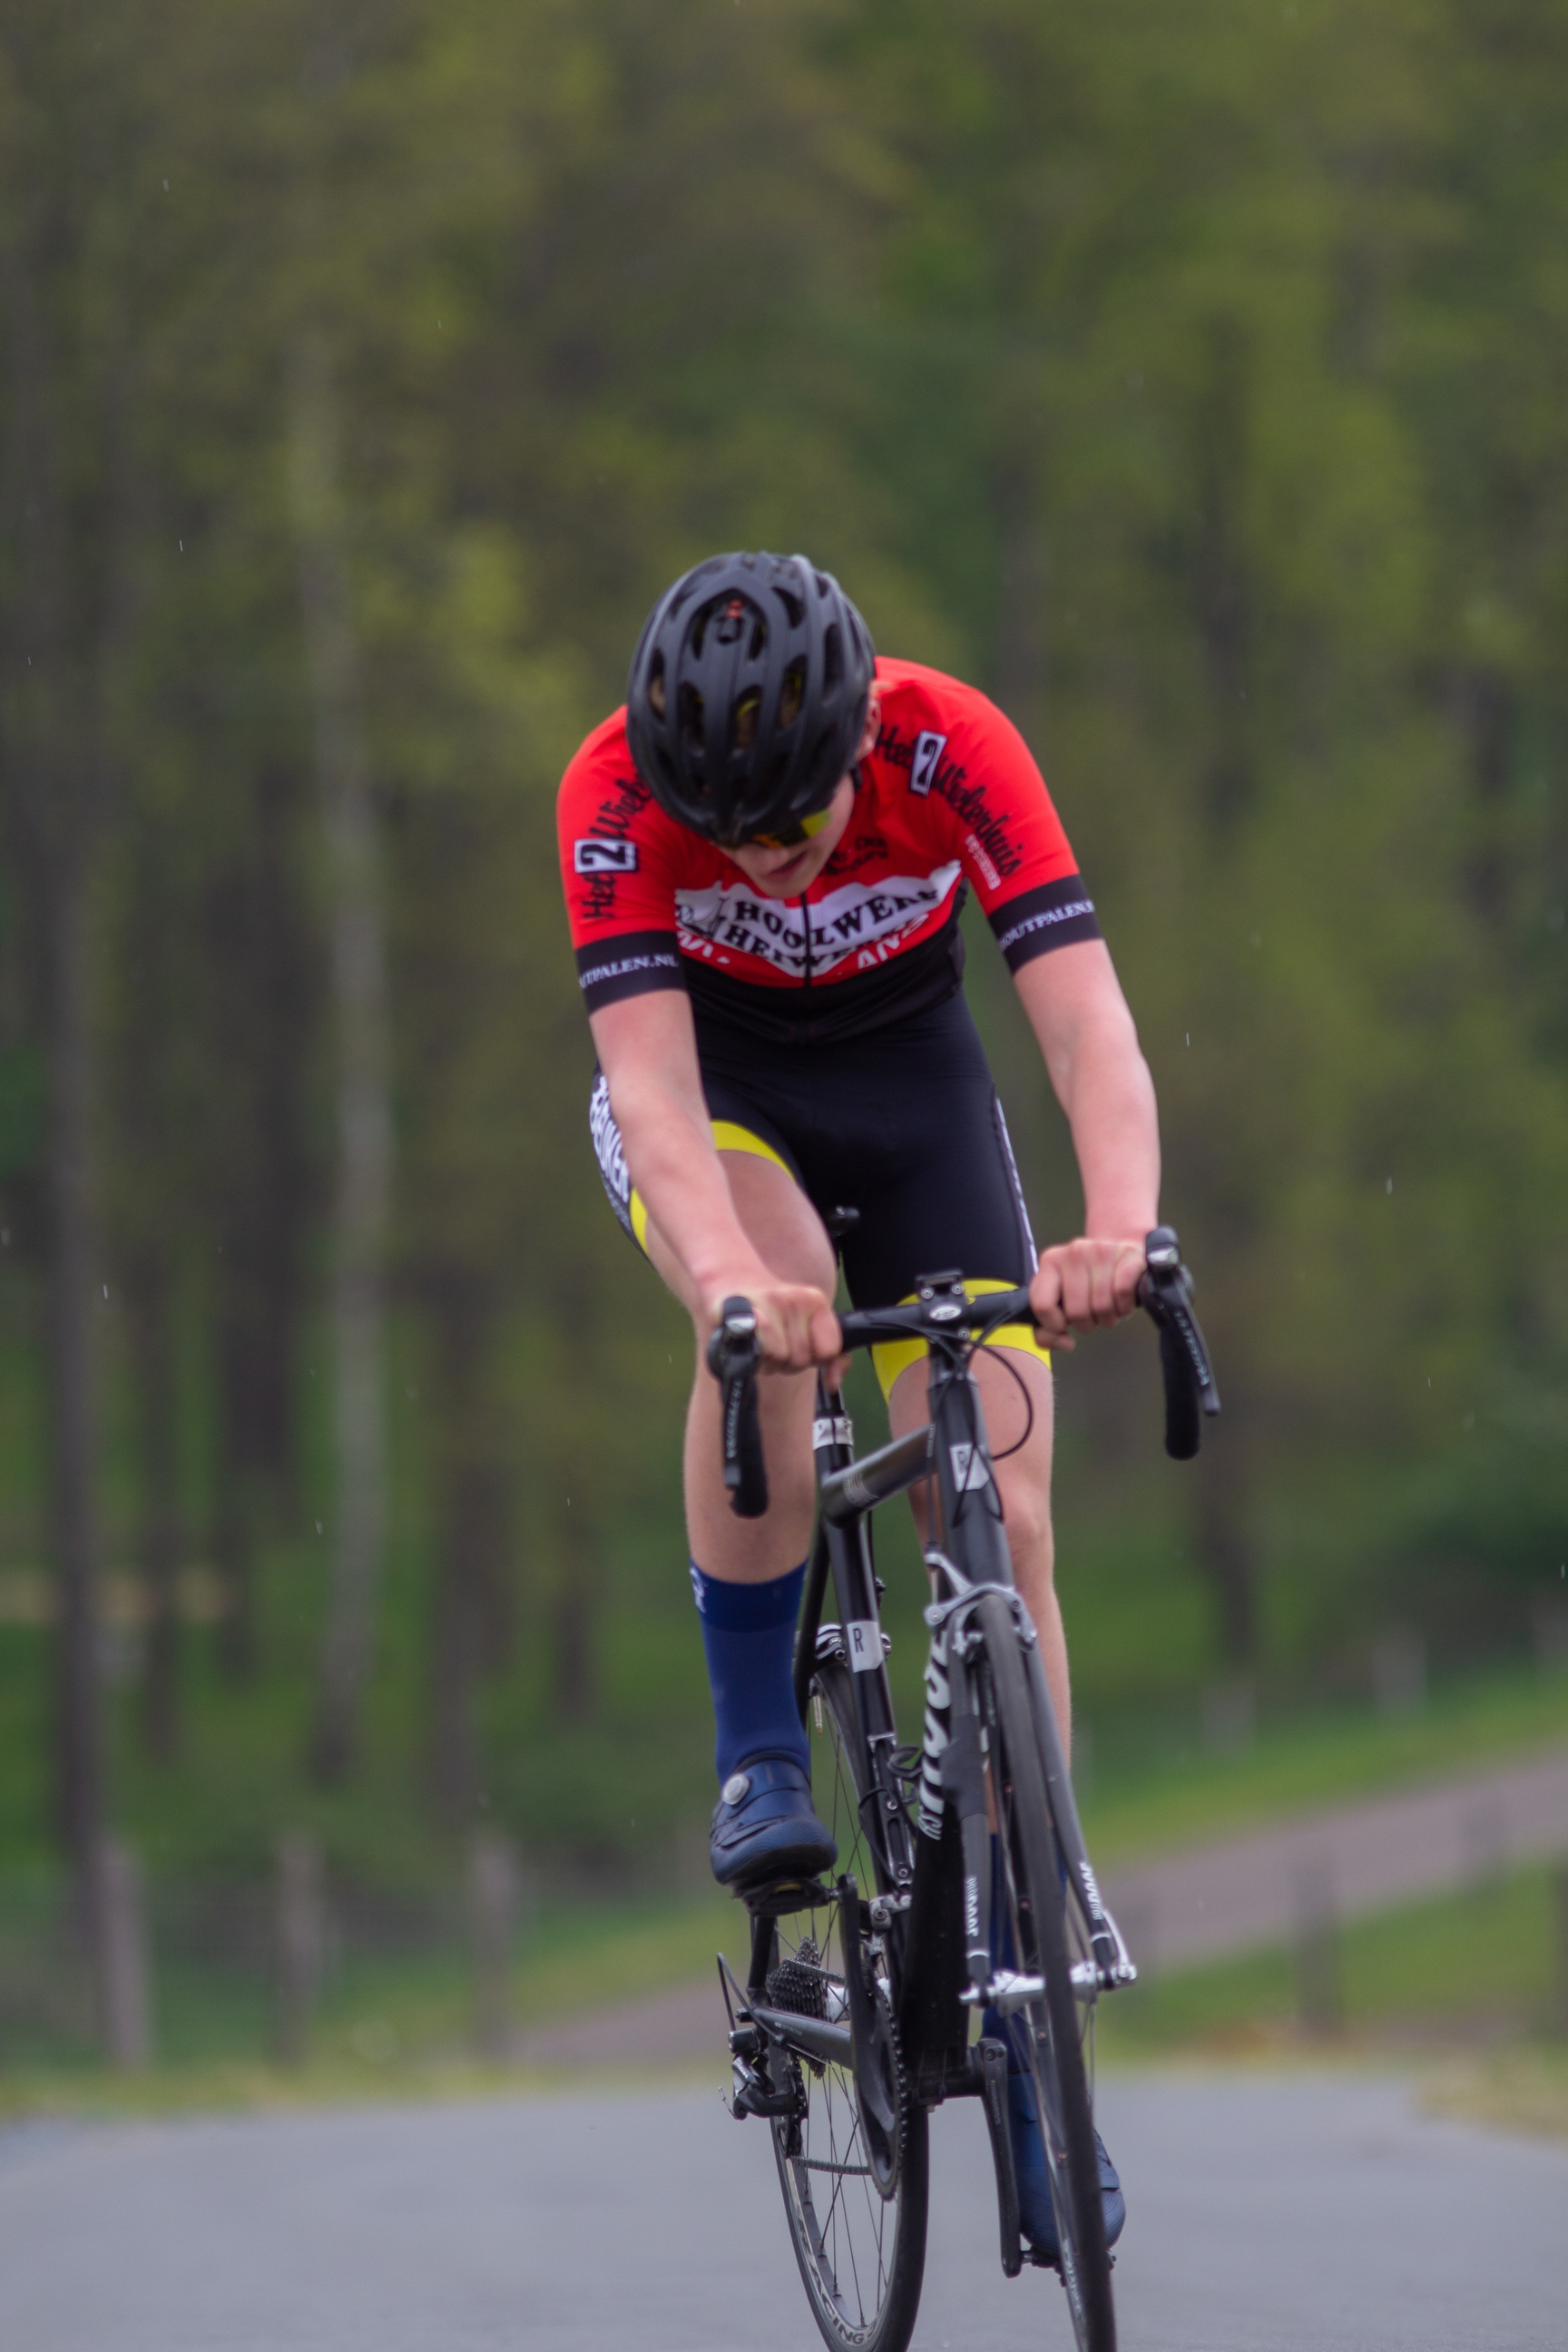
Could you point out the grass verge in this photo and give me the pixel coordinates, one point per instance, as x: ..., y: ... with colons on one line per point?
x: 1326, y: 1758
x: 387, y: 2029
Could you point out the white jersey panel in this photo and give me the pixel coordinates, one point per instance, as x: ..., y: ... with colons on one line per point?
x: 852, y: 929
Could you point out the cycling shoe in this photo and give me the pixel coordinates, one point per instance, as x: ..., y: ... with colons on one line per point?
x: 1036, y: 2217
x: 764, y: 1825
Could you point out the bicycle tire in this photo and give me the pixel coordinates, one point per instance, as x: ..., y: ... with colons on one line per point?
x: 1033, y: 1887
x: 861, y: 2255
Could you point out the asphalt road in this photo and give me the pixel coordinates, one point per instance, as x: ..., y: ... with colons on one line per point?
x: 1267, y: 2215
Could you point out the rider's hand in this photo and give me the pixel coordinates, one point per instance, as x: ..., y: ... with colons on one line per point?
x: 1086, y: 1286
x: 795, y: 1323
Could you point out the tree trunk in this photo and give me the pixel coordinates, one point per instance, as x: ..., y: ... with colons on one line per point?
x: 264, y: 1200
x: 66, y: 623
x: 1487, y: 711
x: 576, y: 1609
x: 71, y: 1291
x: 1222, y: 589
x: 151, y: 1302
x: 566, y: 1477
x: 1226, y: 1549
x: 1021, y: 646
x: 359, y: 986
x: 470, y: 1626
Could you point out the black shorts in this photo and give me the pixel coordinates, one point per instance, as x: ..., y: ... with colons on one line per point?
x: 903, y: 1125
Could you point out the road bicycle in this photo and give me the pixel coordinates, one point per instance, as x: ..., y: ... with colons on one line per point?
x: 963, y: 1886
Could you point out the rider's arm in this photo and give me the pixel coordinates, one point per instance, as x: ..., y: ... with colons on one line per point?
x: 647, y: 1052
x: 1086, y: 1032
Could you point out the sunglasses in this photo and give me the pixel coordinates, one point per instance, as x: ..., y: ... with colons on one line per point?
x: 792, y: 834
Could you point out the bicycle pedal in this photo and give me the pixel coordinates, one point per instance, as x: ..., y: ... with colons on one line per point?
x: 776, y: 1898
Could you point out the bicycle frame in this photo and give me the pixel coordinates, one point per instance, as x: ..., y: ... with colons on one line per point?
x: 953, y: 1451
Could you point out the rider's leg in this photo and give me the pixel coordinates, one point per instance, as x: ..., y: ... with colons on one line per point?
x: 747, y: 1573
x: 789, y: 1236
x: 1024, y: 1480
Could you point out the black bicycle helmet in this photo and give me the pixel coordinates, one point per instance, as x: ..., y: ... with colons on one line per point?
x: 747, y: 695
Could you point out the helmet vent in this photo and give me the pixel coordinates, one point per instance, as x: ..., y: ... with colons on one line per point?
x: 833, y: 658
x: 691, y: 718
x: 746, y: 713
x: 792, y: 694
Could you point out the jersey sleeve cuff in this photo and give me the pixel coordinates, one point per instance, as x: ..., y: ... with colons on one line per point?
x: 1057, y: 914
x: 631, y: 965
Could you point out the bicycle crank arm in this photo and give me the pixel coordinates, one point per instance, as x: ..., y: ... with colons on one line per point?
x: 991, y: 2069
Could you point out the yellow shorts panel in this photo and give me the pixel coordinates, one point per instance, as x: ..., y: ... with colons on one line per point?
x: 895, y: 1356
x: 727, y: 1137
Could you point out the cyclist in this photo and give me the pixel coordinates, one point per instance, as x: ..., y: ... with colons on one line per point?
x: 764, y: 856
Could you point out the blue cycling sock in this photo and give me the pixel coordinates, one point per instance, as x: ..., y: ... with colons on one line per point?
x: 748, y: 1635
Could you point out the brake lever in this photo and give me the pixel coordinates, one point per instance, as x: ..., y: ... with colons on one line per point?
x: 1192, y: 1393
x: 734, y: 1356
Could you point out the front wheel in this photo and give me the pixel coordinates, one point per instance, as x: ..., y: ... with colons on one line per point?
x: 1035, y: 1904
x: 856, y: 2202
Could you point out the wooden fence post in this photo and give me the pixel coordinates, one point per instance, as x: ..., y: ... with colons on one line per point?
x: 1560, y: 1950
x: 1230, y: 1717
x: 494, y: 1892
x: 1549, y: 1623
x: 124, y: 2004
x: 1399, y: 1671
x: 1319, y: 1993
x: 299, y: 1948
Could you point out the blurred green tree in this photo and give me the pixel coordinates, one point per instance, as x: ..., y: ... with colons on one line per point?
x: 1190, y: 382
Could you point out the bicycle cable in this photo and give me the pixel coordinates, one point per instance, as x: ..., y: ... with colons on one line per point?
x: 969, y: 1407
x: 1005, y: 1357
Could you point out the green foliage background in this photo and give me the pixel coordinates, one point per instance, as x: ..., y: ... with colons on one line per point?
x: 1189, y: 378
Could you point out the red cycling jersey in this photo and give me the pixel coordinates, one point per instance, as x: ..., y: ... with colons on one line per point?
x: 950, y: 797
